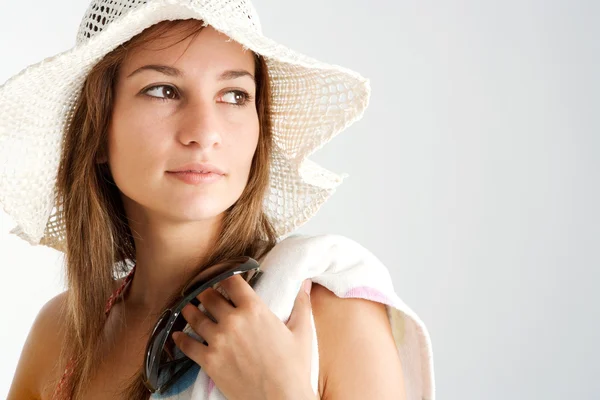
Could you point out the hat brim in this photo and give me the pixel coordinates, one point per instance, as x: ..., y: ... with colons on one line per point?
x: 312, y: 102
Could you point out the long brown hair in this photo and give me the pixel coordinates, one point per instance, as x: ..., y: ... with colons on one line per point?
x: 99, y: 242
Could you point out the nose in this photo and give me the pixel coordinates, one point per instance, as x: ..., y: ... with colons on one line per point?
x: 200, y: 125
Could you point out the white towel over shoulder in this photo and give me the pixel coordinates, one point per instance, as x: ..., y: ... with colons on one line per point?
x: 349, y: 270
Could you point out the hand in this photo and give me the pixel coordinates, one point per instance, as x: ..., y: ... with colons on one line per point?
x: 251, y: 354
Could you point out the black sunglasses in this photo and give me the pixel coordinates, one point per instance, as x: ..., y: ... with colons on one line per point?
x: 164, y: 363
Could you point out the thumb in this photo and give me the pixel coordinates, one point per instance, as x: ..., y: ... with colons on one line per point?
x: 300, y: 318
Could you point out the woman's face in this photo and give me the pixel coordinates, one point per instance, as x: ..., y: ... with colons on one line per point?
x: 197, y: 105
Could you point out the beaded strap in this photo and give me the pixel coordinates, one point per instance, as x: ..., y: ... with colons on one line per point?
x: 111, y: 300
x: 115, y: 295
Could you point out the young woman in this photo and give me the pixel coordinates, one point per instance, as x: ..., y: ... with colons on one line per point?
x: 171, y: 138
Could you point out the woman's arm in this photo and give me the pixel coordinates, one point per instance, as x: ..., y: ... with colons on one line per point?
x: 39, y: 352
x: 358, y: 358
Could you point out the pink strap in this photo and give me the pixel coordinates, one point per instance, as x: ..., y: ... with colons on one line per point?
x: 115, y: 295
x: 111, y: 300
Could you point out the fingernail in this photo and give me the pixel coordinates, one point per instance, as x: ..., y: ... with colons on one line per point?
x: 307, y: 286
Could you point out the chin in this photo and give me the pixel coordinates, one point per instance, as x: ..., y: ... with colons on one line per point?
x: 197, y: 213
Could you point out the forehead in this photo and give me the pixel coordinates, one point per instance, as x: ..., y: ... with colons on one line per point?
x: 208, y: 49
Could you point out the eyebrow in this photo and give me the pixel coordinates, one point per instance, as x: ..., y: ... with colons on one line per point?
x: 172, y: 71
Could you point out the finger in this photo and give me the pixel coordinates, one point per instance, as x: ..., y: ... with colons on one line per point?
x: 199, y: 322
x: 299, y: 321
x: 215, y: 303
x: 238, y: 290
x: 190, y: 347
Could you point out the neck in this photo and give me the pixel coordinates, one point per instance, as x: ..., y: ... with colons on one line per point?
x: 166, y: 257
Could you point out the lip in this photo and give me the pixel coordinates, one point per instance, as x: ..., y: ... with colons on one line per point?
x: 196, y: 178
x: 199, y: 168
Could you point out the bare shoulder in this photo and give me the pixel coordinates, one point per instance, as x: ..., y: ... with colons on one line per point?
x: 40, y: 351
x: 358, y: 357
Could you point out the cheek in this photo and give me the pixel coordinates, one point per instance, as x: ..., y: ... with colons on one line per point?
x: 242, y: 148
x: 246, y: 144
x: 134, y: 145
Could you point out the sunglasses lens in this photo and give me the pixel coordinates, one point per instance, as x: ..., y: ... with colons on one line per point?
x: 153, y: 350
x: 164, y: 360
x: 174, y: 362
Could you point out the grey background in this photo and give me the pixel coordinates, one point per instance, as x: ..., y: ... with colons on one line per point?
x: 473, y: 177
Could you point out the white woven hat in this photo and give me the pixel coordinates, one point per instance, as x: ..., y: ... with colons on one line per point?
x: 312, y: 102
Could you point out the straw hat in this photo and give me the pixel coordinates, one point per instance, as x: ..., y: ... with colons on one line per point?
x: 312, y: 102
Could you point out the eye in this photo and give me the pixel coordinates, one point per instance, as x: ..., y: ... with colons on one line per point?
x: 236, y: 97
x: 167, y: 90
